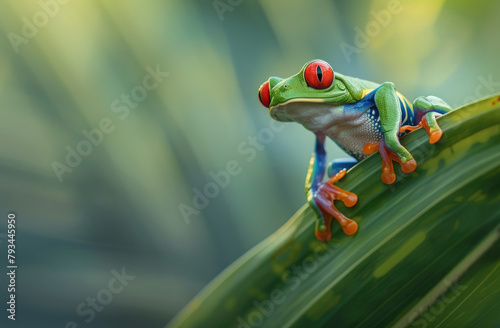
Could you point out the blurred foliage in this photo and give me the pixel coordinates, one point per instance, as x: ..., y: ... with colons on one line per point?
x: 120, y: 206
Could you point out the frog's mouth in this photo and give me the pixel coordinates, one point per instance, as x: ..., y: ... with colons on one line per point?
x: 292, y: 109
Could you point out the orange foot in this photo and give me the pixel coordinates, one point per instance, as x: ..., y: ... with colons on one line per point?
x: 324, y: 197
x: 434, y: 132
x: 388, y: 175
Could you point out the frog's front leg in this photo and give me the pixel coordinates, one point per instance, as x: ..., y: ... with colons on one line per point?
x: 390, y: 147
x: 321, y: 196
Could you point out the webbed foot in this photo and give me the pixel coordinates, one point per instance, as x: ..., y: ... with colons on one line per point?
x: 430, y: 125
x: 324, y: 197
x: 388, y: 175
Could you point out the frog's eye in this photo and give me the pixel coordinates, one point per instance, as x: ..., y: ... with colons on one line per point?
x: 319, y: 75
x: 264, y: 95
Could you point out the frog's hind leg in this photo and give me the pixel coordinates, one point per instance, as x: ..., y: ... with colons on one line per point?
x: 427, y: 109
x: 338, y: 165
x: 423, y: 105
x: 321, y: 196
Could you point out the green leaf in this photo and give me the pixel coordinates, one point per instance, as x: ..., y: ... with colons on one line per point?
x: 427, y: 252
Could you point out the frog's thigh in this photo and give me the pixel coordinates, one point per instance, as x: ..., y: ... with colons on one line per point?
x: 428, y: 103
x: 338, y: 165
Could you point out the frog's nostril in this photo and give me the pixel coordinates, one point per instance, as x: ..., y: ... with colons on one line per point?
x: 264, y: 95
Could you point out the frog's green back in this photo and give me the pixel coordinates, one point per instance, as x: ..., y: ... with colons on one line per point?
x: 355, y: 85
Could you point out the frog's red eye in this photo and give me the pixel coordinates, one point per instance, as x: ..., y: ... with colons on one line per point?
x: 319, y: 75
x: 264, y: 96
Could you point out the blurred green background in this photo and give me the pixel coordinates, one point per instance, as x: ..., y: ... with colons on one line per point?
x: 68, y: 67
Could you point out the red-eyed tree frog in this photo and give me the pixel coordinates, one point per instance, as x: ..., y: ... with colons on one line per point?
x: 361, y: 117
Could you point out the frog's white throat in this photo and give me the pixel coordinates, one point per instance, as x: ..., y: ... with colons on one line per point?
x: 314, y: 114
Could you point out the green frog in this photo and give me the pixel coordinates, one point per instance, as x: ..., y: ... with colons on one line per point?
x: 362, y: 117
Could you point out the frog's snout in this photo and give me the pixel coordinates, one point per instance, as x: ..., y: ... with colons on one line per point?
x: 264, y: 94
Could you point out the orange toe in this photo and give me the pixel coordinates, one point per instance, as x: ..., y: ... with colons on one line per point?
x: 323, y: 235
x: 388, y: 178
x: 370, y: 148
x: 340, y: 175
x: 409, y: 166
x: 350, y: 228
x: 435, y: 136
x: 350, y: 200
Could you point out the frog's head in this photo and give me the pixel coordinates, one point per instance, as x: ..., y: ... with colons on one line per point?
x: 313, y: 85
